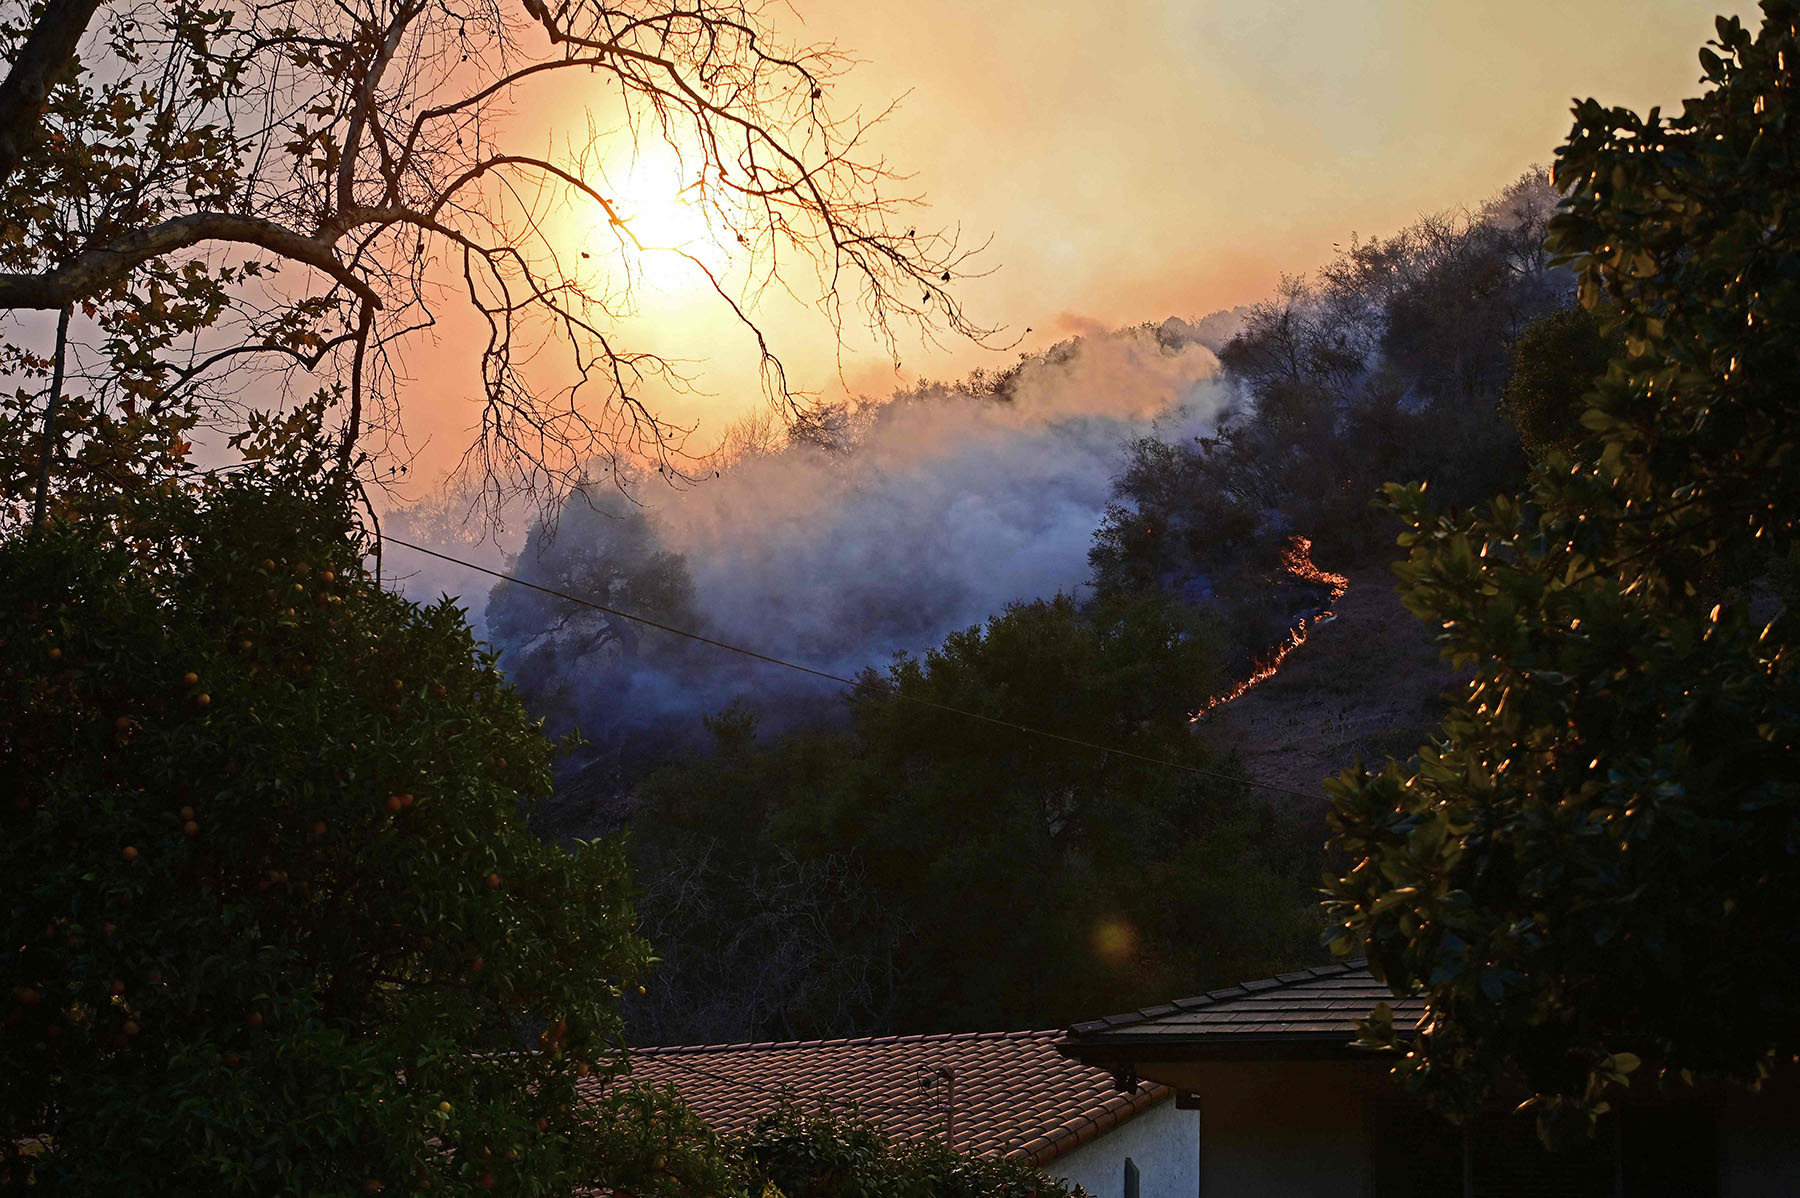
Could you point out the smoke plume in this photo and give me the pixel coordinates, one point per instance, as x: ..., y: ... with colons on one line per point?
x: 905, y: 520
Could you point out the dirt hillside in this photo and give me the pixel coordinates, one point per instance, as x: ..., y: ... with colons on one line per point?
x: 1368, y: 682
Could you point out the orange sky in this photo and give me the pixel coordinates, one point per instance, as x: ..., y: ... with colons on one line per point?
x: 1137, y: 159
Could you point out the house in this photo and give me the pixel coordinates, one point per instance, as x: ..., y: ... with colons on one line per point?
x: 1287, y: 1107
x: 1009, y: 1094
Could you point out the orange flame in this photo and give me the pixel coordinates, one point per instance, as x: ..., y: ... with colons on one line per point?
x: 1297, y: 560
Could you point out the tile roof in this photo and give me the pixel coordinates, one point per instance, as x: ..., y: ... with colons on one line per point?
x: 1016, y: 1095
x: 1308, y: 1011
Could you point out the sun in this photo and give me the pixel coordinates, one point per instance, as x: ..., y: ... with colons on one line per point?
x: 661, y: 229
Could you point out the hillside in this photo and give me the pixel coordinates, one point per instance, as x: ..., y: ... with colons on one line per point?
x: 1368, y: 682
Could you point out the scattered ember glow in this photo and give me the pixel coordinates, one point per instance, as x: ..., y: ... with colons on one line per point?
x: 1297, y: 560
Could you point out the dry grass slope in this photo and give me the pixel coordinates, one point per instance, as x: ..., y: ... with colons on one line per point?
x: 1368, y: 683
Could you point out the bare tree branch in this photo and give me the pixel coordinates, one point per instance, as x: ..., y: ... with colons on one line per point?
x: 94, y: 270
x: 366, y: 140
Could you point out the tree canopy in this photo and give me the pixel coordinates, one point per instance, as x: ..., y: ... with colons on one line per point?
x: 939, y: 872
x: 1590, y: 875
x: 274, y: 922
x: 1390, y: 363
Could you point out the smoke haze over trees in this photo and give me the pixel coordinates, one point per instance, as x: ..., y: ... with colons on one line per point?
x: 880, y: 530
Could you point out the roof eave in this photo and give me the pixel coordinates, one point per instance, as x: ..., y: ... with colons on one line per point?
x: 1115, y: 1051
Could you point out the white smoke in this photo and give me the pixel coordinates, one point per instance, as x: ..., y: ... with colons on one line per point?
x: 945, y: 507
x: 935, y: 509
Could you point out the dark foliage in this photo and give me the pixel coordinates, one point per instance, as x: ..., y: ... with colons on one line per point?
x: 977, y: 876
x: 836, y: 1154
x: 1557, y: 360
x: 273, y: 923
x: 1591, y: 874
x: 1389, y: 365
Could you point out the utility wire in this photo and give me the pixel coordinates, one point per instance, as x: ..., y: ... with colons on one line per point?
x: 1025, y: 729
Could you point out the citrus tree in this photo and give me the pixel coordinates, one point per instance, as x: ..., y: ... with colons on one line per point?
x: 272, y: 921
x: 1590, y: 875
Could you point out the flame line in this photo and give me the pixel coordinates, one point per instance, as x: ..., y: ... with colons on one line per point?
x: 1297, y: 560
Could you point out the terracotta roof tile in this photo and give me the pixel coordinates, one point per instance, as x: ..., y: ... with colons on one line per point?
x: 1016, y: 1095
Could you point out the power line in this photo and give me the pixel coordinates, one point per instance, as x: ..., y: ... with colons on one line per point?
x: 1024, y: 729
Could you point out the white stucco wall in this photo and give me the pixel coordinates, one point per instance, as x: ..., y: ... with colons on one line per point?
x: 1163, y: 1142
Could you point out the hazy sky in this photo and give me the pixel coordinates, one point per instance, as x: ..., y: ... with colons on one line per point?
x: 1137, y: 159
x: 1143, y: 158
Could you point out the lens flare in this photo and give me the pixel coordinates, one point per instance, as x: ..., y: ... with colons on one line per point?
x: 1115, y: 941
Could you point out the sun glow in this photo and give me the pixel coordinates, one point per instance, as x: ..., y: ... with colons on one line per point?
x: 664, y: 233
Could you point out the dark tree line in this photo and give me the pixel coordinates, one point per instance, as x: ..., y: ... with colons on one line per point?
x: 945, y: 873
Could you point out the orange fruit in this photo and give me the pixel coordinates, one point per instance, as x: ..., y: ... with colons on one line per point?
x: 130, y: 1028
x: 444, y: 1107
x: 318, y: 828
x: 493, y: 881
x: 394, y: 803
x: 129, y: 852
x: 189, y: 678
x: 190, y: 828
x: 253, y: 1020
x: 56, y: 655
x: 202, y: 700
x: 122, y: 723
x: 186, y: 813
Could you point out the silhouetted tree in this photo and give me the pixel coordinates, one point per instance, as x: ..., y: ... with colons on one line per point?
x: 284, y: 193
x: 1597, y: 857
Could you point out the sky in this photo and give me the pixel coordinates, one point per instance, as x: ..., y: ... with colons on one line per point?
x: 1138, y: 159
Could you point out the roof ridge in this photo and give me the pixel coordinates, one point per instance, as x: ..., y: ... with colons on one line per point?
x: 1280, y: 981
x: 912, y: 1038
